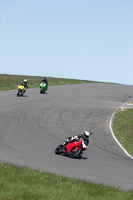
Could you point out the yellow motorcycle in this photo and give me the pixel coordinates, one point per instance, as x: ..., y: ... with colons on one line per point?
x: 21, y: 90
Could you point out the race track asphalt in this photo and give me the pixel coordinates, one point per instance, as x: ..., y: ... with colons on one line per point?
x: 32, y: 126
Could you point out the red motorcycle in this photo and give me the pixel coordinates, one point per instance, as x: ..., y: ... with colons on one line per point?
x: 72, y: 149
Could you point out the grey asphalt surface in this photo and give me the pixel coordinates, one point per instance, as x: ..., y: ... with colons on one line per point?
x: 31, y: 127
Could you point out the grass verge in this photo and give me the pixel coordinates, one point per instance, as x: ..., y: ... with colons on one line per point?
x: 10, y: 82
x: 123, y: 128
x: 19, y: 183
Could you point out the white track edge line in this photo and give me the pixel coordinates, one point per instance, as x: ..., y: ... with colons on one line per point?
x: 110, y: 126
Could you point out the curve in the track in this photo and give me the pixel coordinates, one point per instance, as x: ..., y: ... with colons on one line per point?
x: 31, y: 127
x: 125, y: 106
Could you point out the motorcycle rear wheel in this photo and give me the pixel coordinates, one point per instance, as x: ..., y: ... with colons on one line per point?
x: 58, y: 150
x: 74, y: 154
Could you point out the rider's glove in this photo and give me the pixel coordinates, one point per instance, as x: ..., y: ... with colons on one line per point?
x: 75, y: 137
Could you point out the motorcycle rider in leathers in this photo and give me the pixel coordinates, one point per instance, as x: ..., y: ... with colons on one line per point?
x: 25, y: 84
x: 84, y: 136
x: 45, y: 80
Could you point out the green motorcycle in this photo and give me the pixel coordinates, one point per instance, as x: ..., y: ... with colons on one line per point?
x: 43, y: 87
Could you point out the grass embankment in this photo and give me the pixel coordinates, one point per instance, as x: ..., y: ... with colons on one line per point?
x: 123, y: 128
x: 10, y: 82
x: 17, y: 183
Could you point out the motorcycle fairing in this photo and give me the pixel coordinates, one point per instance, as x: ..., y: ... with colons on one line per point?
x: 75, y: 144
x: 21, y: 88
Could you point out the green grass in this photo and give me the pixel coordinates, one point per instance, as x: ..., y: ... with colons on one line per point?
x: 19, y: 183
x: 10, y: 82
x: 123, y: 128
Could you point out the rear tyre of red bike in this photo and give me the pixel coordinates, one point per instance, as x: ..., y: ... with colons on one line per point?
x: 58, y: 150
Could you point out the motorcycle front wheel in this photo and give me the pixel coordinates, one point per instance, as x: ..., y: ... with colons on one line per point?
x: 74, y: 154
x: 18, y: 94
